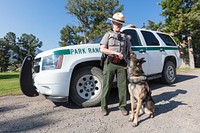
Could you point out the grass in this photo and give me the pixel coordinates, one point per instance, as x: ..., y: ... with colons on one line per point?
x: 186, y: 70
x: 9, y: 83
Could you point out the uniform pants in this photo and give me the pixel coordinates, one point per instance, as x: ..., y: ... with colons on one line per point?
x: 109, y: 72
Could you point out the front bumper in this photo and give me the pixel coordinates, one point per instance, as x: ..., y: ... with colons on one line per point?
x: 52, y: 83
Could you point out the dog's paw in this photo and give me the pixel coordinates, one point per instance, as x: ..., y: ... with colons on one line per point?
x: 141, y: 112
x: 151, y: 115
x: 130, y: 119
x: 134, y: 125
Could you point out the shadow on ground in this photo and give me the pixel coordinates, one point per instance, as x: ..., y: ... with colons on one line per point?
x: 23, y: 124
x: 154, y: 84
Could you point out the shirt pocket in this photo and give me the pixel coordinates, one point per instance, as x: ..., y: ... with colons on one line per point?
x: 111, y: 42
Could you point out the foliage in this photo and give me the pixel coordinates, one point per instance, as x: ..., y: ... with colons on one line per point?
x: 182, y: 17
x: 4, y: 55
x: 27, y: 46
x: 92, y: 16
x: 13, y: 50
x: 69, y: 36
x: 153, y: 26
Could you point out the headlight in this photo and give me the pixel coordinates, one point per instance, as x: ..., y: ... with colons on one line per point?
x: 52, y: 62
x: 37, y: 65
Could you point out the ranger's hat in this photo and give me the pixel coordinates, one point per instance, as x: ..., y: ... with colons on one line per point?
x: 118, y: 17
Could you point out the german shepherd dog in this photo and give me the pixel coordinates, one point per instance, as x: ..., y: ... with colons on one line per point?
x: 140, y: 94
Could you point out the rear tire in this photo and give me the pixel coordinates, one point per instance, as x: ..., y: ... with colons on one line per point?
x: 169, y: 73
x: 86, y: 86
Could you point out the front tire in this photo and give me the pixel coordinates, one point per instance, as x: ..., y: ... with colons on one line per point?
x: 86, y: 86
x: 169, y: 73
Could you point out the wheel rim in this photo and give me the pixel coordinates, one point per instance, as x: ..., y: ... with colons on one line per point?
x: 88, y: 87
x: 170, y: 73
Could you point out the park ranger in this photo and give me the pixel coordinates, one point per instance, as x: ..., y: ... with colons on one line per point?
x: 116, y: 46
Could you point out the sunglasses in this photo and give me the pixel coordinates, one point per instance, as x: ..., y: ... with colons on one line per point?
x: 117, y: 24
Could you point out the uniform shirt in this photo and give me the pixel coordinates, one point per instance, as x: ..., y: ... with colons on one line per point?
x: 118, y: 42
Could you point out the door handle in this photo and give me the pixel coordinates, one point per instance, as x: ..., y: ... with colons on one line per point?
x: 142, y: 51
x: 161, y: 50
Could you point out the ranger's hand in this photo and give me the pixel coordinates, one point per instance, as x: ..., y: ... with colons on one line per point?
x: 120, y: 55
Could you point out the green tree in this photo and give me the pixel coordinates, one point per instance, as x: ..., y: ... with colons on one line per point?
x: 69, y: 36
x: 101, y: 11
x: 182, y: 17
x: 153, y: 26
x: 4, y: 55
x: 13, y: 50
x: 10, y: 39
x: 91, y: 16
x: 27, y: 46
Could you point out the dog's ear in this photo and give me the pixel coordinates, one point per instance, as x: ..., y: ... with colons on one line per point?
x: 139, y: 62
x: 136, y: 61
x: 142, y: 60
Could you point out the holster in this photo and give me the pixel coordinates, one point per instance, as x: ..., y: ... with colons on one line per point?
x: 103, y: 58
x: 114, y: 59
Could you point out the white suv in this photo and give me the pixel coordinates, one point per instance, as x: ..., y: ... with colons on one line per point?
x: 74, y: 72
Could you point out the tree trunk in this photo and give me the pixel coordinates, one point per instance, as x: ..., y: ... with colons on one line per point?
x: 190, y: 52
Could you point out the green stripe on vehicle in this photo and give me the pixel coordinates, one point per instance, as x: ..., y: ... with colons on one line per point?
x: 77, y: 51
x: 153, y: 48
x: 80, y: 51
x: 170, y: 48
x: 59, y: 52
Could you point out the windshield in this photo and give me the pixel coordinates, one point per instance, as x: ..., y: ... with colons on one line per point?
x: 96, y: 40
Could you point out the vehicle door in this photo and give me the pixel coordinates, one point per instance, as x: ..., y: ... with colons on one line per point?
x: 153, y: 51
x: 138, y: 48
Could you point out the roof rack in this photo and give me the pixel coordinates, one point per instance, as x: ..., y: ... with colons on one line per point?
x: 131, y: 26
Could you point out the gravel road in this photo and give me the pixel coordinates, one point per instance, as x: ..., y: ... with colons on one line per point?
x: 177, y: 111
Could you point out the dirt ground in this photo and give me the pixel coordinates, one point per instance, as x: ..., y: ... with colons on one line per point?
x: 177, y: 111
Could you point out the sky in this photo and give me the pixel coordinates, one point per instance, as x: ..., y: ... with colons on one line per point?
x: 45, y: 18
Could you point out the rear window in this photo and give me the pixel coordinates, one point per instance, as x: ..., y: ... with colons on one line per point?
x: 150, y: 39
x: 167, y: 39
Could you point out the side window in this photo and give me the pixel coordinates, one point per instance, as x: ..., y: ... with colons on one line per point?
x: 167, y: 39
x: 150, y: 39
x: 135, y: 39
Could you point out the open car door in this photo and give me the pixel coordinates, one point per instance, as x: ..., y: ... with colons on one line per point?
x: 25, y: 78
